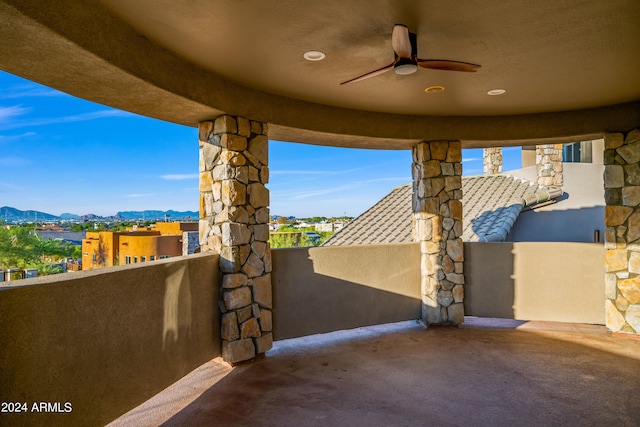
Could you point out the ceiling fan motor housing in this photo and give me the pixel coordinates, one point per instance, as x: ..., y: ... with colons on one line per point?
x: 405, y: 66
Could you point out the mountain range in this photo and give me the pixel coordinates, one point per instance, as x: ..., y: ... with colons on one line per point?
x: 8, y: 213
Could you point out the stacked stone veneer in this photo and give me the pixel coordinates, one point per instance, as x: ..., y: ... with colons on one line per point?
x: 492, y: 160
x: 622, y: 236
x: 549, y: 165
x: 234, y: 222
x: 190, y: 242
x: 437, y: 221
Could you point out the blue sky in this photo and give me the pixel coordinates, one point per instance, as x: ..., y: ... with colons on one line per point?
x: 62, y: 154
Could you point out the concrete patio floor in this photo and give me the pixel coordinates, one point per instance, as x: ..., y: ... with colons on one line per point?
x: 486, y: 372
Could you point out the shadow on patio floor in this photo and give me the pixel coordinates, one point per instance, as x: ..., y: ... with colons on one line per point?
x: 487, y: 372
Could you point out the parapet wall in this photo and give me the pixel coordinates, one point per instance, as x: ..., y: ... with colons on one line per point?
x: 101, y: 342
x: 553, y: 281
x: 325, y: 289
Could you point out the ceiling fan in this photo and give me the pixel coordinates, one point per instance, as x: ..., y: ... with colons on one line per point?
x: 405, y: 49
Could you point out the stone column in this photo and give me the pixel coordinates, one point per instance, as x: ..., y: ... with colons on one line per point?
x: 234, y: 222
x: 622, y: 236
x: 437, y: 222
x: 492, y: 160
x: 549, y: 165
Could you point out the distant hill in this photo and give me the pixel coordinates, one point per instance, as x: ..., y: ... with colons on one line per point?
x: 69, y: 216
x: 90, y: 217
x: 8, y: 213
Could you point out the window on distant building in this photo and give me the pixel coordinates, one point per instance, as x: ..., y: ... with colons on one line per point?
x: 571, y: 153
x: 93, y: 258
x: 143, y: 259
x: 577, y: 152
x: 135, y: 259
x: 127, y: 259
x: 152, y: 258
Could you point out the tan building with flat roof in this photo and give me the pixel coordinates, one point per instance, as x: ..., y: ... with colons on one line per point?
x: 108, y: 248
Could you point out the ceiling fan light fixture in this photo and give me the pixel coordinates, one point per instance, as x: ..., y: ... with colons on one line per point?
x: 405, y: 66
x: 314, y: 55
x: 496, y: 92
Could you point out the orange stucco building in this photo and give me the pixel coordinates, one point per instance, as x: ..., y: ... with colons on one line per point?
x: 108, y: 248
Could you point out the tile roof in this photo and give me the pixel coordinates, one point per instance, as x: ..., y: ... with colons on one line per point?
x: 388, y: 221
x: 491, y: 205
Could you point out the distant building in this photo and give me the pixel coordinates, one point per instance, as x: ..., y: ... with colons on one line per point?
x: 576, y: 152
x: 51, y: 227
x: 136, y: 245
x: 329, y: 226
x: 168, y: 228
x: 324, y: 226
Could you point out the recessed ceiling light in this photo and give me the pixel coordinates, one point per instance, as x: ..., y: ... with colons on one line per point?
x: 494, y: 92
x: 314, y: 55
x: 434, y: 89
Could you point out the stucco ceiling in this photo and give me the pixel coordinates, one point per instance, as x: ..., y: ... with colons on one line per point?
x: 570, y: 68
x: 550, y: 55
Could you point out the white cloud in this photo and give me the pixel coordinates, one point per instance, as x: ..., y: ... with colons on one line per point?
x: 9, y: 138
x: 471, y: 159
x: 29, y: 91
x: 100, y: 114
x: 7, y: 113
x: 405, y: 179
x: 178, y: 177
x: 325, y: 172
x: 329, y: 189
x: 94, y: 115
x: 321, y: 192
x: 305, y: 193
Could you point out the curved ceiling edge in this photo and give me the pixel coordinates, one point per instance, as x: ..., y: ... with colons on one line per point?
x: 147, y: 79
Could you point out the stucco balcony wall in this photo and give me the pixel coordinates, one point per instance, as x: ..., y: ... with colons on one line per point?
x: 547, y: 281
x: 325, y: 289
x: 318, y: 290
x: 105, y: 340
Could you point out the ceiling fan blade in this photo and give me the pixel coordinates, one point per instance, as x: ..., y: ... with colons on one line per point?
x: 371, y: 73
x: 443, y: 64
x: 400, y: 41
